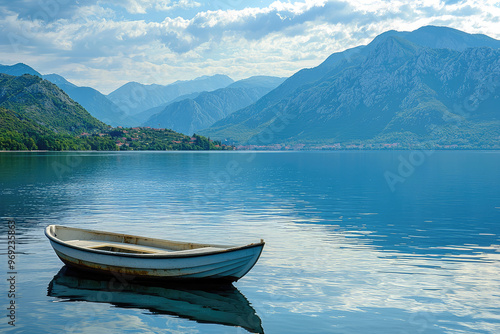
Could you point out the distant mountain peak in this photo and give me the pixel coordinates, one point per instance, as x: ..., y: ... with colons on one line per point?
x: 257, y: 81
x: 220, y: 76
x: 392, y: 48
x: 23, y: 65
x: 438, y: 37
x: 18, y: 69
x: 134, y: 98
x: 193, y: 114
x: 398, y: 43
x: 59, y: 80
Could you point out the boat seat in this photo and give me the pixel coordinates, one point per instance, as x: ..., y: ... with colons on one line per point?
x: 199, y: 250
x: 118, y: 247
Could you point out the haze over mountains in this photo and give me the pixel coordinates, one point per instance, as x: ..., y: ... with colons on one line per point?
x: 402, y: 87
x: 128, y: 105
x: 193, y: 114
x: 134, y: 97
x: 434, y: 85
x: 97, y: 104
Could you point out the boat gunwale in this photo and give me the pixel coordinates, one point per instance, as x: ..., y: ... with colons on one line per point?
x: 173, y: 254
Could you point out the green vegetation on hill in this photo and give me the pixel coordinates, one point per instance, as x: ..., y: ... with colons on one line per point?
x: 21, y: 134
x: 44, y: 103
x: 36, y: 115
x: 141, y: 138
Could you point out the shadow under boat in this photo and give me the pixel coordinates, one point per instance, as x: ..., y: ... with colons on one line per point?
x: 216, y: 304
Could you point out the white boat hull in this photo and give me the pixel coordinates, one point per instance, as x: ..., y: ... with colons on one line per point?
x: 206, y: 262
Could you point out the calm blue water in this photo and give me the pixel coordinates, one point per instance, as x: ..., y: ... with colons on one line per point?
x: 356, y: 242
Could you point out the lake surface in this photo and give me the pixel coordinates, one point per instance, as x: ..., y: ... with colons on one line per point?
x: 356, y: 241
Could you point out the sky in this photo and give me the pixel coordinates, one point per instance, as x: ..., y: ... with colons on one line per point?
x: 107, y: 43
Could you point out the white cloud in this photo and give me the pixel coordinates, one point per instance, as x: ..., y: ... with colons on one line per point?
x: 143, y: 6
x: 93, y: 44
x: 168, y: 5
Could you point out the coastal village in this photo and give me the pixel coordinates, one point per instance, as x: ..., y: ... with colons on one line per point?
x: 343, y: 146
x: 147, y: 138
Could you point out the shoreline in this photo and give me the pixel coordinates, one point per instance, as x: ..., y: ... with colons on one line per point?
x: 264, y: 150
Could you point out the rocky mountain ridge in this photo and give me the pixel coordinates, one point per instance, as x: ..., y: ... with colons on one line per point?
x: 193, y: 114
x: 390, y: 90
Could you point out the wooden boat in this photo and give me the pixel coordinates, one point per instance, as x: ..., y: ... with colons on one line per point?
x: 142, y: 258
x: 221, y: 304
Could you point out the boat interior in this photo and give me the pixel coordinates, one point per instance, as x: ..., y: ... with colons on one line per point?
x: 123, y: 243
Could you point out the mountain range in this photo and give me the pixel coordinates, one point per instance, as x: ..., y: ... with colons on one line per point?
x: 432, y: 86
x: 97, y: 104
x: 134, y: 98
x: 193, y: 114
x: 131, y: 104
x: 35, y: 114
x: 190, y: 105
x: 184, y: 106
x: 435, y: 84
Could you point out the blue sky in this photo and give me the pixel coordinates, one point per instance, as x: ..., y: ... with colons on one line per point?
x: 106, y: 43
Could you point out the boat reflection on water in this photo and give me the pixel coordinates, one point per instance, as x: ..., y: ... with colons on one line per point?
x: 224, y: 305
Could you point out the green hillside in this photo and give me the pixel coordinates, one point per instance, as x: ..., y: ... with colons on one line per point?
x: 36, y: 115
x: 46, y: 104
x: 17, y: 132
